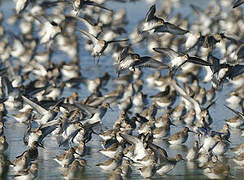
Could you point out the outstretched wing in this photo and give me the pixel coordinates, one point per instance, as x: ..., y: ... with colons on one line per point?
x: 149, y: 62
x: 37, y: 107
x: 150, y: 13
x: 170, y: 28
x: 96, y: 4
x: 196, y: 60
x: 238, y: 3
x: 167, y: 51
x: 123, y: 54
x: 90, y: 36
x: 49, y: 4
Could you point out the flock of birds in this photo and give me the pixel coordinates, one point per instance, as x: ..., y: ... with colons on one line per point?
x: 191, y: 62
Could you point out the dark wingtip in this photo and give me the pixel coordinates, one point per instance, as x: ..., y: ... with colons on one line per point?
x: 157, y: 50
x: 237, y: 3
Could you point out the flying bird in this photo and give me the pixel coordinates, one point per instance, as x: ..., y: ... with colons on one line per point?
x: 156, y: 24
x: 131, y: 61
x: 99, y: 45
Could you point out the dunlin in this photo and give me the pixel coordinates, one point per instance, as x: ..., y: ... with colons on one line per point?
x: 146, y: 160
x: 239, y: 149
x: 23, y: 116
x: 140, y: 99
x: 79, y: 4
x: 75, y: 169
x: 80, y: 149
x: 66, y: 158
x: 147, y: 171
x: 192, y: 154
x: 166, y: 101
x: 162, y: 131
x: 93, y: 29
x: 30, y: 173
x: 33, y: 151
x: 21, y: 5
x: 224, y: 132
x: 150, y: 112
x: 156, y: 24
x: 99, y: 45
x: 179, y: 110
x: 131, y: 61
x: 221, y: 147
x: 216, y: 169
x: 97, y: 115
x: 146, y: 128
x: 208, y: 143
x: 112, y: 150
x: 167, y: 166
x: 162, y: 120
x: 189, y: 117
x: 179, y: 59
x: 111, y: 163
x: 32, y: 135
x: 237, y: 120
x: 139, y: 150
x: 21, y: 162
x: 46, y: 115
x: 239, y: 159
x: 49, y: 29
x: 116, y: 174
x: 3, y: 144
x: 125, y: 168
x: 160, y: 153
x: 179, y: 137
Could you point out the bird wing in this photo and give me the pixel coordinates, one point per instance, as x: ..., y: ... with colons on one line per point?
x: 117, y: 41
x: 240, y: 52
x: 196, y: 60
x: 149, y: 62
x: 196, y: 10
x: 187, y: 97
x: 236, y: 112
x: 37, y: 107
x: 159, y: 152
x: 170, y: 28
x: 150, y: 13
x: 123, y: 54
x: 130, y: 139
x: 96, y: 4
x: 21, y: 5
x: 234, y: 71
x: 49, y: 4
x: 238, y: 3
x: 215, y: 64
x: 90, y: 36
x: 87, y: 23
x: 167, y: 51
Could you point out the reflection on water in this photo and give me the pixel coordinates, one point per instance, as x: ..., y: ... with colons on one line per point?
x: 48, y: 168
